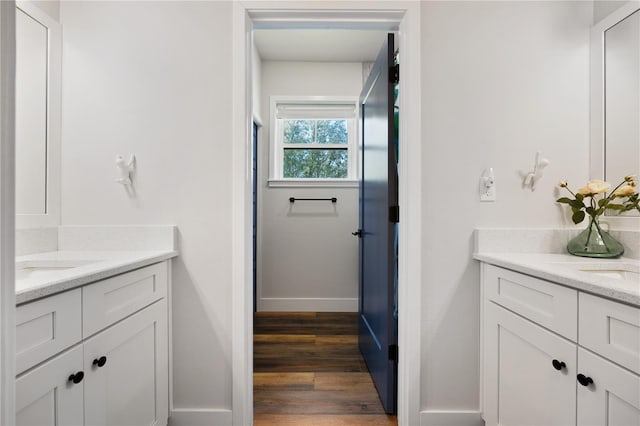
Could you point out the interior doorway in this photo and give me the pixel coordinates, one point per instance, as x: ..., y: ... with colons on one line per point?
x: 306, y: 356
x: 406, y: 17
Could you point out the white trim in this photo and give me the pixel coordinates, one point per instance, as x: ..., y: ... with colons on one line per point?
x: 241, y: 221
x: 451, y: 418
x: 410, y: 227
x: 313, y: 183
x: 170, y: 334
x: 54, y: 119
x: 200, y: 417
x: 276, y: 143
x: 7, y: 210
x: 300, y: 304
x: 326, y: 15
x: 331, y: 14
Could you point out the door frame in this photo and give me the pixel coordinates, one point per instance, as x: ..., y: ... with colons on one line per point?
x: 382, y: 15
x: 7, y: 212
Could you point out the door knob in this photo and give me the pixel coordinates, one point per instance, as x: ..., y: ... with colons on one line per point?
x: 100, y: 361
x: 584, y: 380
x: 77, y: 377
x: 358, y: 233
x: 558, y: 365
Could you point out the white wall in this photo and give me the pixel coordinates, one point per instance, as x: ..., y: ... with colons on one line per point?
x: 308, y: 259
x: 154, y: 79
x: 501, y: 80
x: 603, y: 8
x: 50, y: 7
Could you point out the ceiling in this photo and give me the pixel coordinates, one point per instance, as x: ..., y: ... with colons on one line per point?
x: 318, y: 45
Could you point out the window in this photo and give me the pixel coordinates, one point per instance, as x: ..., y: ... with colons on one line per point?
x: 313, y: 139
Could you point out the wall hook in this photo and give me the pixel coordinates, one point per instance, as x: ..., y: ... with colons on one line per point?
x: 125, y: 169
x: 533, y: 177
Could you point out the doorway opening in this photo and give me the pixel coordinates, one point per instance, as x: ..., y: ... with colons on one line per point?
x: 314, y: 87
x: 352, y: 15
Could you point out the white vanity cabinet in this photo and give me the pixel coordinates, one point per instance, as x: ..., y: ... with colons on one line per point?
x: 116, y: 372
x: 545, y: 364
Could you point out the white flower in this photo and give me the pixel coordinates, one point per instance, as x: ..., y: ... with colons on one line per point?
x: 624, y: 191
x: 595, y: 186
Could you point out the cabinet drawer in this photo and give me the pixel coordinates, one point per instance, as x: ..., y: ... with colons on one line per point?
x: 46, y: 327
x: 550, y: 305
x: 611, y: 329
x: 113, y: 299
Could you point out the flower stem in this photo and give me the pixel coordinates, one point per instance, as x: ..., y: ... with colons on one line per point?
x: 586, y: 244
x: 595, y: 222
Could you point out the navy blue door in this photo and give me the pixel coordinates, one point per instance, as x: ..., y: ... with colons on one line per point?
x: 378, y: 327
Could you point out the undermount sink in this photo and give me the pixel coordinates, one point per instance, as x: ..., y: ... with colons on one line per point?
x: 32, y: 268
x: 623, y: 271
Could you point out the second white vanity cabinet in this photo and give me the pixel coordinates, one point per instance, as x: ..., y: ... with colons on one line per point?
x: 115, y: 372
x: 545, y: 364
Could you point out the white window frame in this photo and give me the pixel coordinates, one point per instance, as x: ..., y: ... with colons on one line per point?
x: 277, y: 146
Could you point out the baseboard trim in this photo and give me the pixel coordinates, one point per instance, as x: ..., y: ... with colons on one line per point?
x: 307, y: 305
x: 451, y: 418
x: 200, y: 417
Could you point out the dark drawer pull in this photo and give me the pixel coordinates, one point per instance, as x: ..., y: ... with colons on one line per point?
x: 584, y: 380
x: 558, y: 365
x: 100, y: 361
x: 76, y: 378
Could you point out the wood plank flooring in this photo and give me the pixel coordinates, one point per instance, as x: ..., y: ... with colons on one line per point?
x: 308, y: 370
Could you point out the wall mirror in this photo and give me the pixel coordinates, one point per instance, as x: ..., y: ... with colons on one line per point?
x: 615, y: 95
x: 38, y: 69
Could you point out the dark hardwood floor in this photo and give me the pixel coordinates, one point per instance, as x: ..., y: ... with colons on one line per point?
x: 308, y: 371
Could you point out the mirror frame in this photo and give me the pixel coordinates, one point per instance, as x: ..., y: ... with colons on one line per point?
x: 54, y: 84
x: 597, y: 154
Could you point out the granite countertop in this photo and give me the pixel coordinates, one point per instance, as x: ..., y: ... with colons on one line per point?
x: 570, y: 271
x: 64, y: 270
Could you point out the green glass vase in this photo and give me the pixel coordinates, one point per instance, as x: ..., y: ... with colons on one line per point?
x: 595, y: 242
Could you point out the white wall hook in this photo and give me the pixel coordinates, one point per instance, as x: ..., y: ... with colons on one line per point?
x: 533, y: 177
x: 125, y: 169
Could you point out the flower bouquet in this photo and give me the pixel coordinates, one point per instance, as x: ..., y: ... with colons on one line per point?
x: 593, y: 241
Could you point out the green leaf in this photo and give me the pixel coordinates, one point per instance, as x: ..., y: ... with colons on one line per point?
x: 616, y: 207
x: 591, y: 211
x: 578, y: 217
x: 579, y: 197
x: 578, y: 204
x: 564, y: 200
x: 603, y: 202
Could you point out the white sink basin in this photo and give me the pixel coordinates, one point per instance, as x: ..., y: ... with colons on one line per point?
x: 35, y: 268
x: 627, y: 271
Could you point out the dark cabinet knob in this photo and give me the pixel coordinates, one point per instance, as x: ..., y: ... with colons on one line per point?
x: 558, y: 365
x: 358, y: 233
x: 584, y: 380
x: 100, y: 361
x: 77, y: 377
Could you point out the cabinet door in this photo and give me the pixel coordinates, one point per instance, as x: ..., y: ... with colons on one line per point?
x: 46, y: 396
x: 128, y: 387
x: 613, y: 399
x: 521, y: 384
